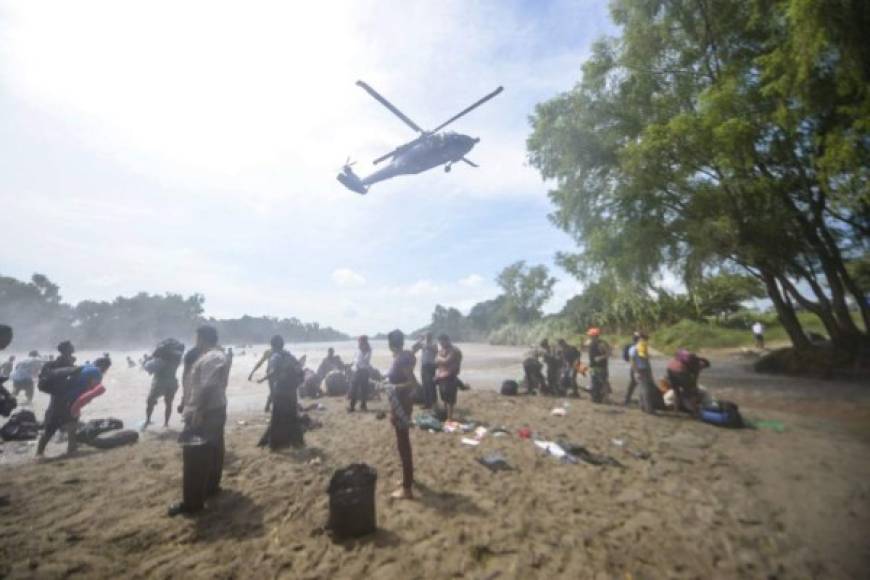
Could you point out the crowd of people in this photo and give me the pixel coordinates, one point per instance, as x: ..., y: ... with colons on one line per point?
x: 548, y: 370
x: 554, y: 370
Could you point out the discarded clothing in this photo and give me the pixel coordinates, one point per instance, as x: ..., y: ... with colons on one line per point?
x: 495, y: 462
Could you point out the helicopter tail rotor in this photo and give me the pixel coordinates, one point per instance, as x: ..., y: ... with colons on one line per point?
x: 351, y: 180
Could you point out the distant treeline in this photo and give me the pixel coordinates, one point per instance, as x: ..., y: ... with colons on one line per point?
x: 41, y: 319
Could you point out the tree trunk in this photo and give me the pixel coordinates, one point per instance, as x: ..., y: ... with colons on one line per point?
x: 822, y: 308
x: 786, y: 313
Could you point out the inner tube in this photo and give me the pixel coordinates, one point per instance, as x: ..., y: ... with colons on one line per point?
x: 115, y: 439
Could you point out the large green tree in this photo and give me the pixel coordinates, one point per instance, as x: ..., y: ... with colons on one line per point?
x: 525, y: 290
x: 721, y: 135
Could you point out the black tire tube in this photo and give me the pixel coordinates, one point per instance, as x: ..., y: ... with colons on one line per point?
x: 115, y: 439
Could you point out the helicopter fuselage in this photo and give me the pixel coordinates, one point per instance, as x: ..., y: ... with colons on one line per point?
x: 424, y: 153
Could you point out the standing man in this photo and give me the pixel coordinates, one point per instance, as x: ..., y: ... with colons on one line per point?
x: 429, y: 352
x: 25, y: 374
x: 650, y: 397
x: 449, y: 363
x: 64, y: 360
x: 532, y: 369
x: 553, y: 363
x: 162, y: 366
x: 570, y: 356
x: 758, y: 334
x: 628, y: 355
x: 362, y: 366
x: 284, y: 374
x: 67, y: 384
x: 263, y: 360
x: 599, y: 355
x: 400, y: 394
x: 205, y: 415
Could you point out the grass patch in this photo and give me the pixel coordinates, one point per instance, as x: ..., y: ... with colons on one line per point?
x: 697, y: 336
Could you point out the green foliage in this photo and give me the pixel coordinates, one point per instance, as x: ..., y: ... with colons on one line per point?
x: 710, y: 135
x: 525, y: 289
x: 724, y: 294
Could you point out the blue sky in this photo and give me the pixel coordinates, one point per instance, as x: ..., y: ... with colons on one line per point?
x: 193, y: 146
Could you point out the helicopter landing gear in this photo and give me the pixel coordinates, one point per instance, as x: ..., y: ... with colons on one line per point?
x: 447, y: 168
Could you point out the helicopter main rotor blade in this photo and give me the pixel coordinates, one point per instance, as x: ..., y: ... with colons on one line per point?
x: 468, y: 109
x: 472, y: 163
x: 390, y: 106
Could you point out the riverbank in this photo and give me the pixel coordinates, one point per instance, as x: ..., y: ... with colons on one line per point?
x: 705, y: 503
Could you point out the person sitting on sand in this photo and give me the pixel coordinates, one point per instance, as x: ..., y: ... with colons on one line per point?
x: 401, y: 392
x: 284, y: 374
x: 25, y: 373
x: 205, y: 417
x: 162, y: 366
x: 362, y: 365
x: 449, y: 363
x: 75, y: 387
x: 263, y: 360
x: 683, y: 372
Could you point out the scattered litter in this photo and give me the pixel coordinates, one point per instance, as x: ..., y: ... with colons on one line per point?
x: 500, y: 432
x: 470, y: 441
x: 495, y: 462
x: 524, y: 433
x: 559, y: 412
x: 769, y: 424
x: 452, y: 427
x: 587, y: 456
x: 480, y: 433
x: 428, y: 422
x: 315, y: 407
x: 242, y: 423
x: 618, y: 442
x: 551, y: 448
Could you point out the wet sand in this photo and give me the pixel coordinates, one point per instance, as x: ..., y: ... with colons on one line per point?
x: 707, y: 503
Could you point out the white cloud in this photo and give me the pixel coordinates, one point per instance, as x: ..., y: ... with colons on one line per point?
x: 472, y: 281
x: 347, y: 278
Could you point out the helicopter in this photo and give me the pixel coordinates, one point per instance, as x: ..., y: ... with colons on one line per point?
x: 429, y: 149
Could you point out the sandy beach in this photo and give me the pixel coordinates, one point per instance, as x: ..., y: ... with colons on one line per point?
x: 688, y: 501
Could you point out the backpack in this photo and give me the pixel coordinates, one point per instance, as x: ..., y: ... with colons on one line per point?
x: 625, y: 356
x: 510, y: 388
x: 54, y: 380
x: 723, y: 414
x: 22, y: 426
x: 169, y: 350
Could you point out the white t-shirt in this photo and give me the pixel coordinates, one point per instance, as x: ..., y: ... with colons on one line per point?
x: 757, y: 328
